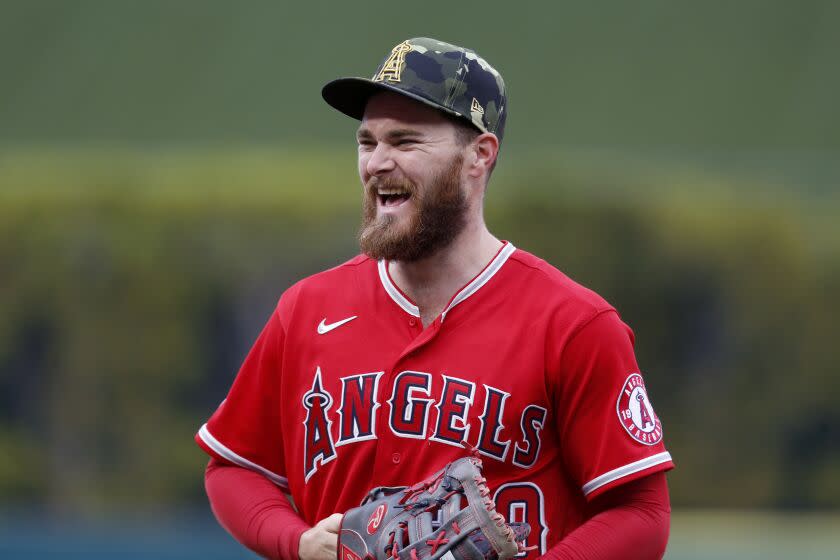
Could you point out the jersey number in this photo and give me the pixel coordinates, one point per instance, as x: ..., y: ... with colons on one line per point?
x: 523, y: 501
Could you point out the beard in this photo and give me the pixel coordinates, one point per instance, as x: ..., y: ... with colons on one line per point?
x: 440, y: 214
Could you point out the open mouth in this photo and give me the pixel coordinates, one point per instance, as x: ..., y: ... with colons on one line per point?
x: 392, y: 197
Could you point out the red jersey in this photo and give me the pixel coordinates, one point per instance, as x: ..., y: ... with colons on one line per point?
x: 344, y: 390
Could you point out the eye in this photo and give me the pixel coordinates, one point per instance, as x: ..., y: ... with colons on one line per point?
x: 406, y: 142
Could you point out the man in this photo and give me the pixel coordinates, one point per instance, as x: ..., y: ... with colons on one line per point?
x: 439, y: 338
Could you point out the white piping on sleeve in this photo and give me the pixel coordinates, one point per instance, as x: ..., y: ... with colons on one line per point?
x: 226, y: 453
x: 626, y: 470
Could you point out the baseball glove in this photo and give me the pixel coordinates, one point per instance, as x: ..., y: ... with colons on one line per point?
x: 447, y: 515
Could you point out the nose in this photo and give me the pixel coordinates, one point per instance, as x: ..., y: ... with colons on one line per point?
x: 380, y: 160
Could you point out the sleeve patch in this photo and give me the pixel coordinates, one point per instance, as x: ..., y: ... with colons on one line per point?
x: 635, y: 412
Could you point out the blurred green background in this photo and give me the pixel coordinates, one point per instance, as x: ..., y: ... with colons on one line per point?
x: 167, y: 169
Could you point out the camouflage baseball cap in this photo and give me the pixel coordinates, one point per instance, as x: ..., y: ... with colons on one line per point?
x: 447, y: 77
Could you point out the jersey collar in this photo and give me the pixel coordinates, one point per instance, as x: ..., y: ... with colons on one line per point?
x: 469, y: 289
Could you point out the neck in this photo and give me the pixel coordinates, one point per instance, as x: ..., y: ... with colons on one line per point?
x: 431, y: 282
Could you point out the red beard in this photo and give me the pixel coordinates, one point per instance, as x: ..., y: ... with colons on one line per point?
x: 439, y: 216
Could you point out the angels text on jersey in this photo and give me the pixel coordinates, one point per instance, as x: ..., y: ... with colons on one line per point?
x: 409, y: 402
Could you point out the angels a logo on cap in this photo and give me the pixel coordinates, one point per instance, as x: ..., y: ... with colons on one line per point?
x: 636, y: 414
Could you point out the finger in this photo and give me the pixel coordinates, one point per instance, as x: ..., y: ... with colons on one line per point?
x: 332, y: 523
x: 331, y: 545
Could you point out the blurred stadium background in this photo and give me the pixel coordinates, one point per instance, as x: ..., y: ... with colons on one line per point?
x: 167, y: 168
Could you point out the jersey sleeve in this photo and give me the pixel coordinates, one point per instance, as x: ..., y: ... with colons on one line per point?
x: 609, y: 433
x: 245, y: 429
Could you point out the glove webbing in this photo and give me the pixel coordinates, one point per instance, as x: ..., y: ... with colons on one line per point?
x: 433, y: 505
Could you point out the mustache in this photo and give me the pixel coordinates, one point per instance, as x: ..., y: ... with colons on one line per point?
x: 375, y: 183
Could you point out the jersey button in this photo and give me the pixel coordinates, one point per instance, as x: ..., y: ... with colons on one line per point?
x: 411, y: 322
x: 395, y: 458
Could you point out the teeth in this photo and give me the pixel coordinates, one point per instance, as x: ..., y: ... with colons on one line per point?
x: 392, y: 191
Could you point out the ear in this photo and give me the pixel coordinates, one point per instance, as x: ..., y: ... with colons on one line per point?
x: 483, y: 151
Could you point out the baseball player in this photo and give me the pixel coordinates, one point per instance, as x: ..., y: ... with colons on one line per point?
x: 438, y: 339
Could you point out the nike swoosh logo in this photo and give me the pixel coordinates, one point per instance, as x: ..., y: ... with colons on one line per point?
x: 324, y: 328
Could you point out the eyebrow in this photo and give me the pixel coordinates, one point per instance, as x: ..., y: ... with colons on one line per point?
x: 392, y: 135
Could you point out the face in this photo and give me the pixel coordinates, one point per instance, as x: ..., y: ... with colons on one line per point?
x: 410, y: 163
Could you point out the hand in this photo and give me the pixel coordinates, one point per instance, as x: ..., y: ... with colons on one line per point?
x: 321, y: 541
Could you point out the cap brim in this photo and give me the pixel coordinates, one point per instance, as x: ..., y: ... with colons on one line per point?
x: 350, y: 96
